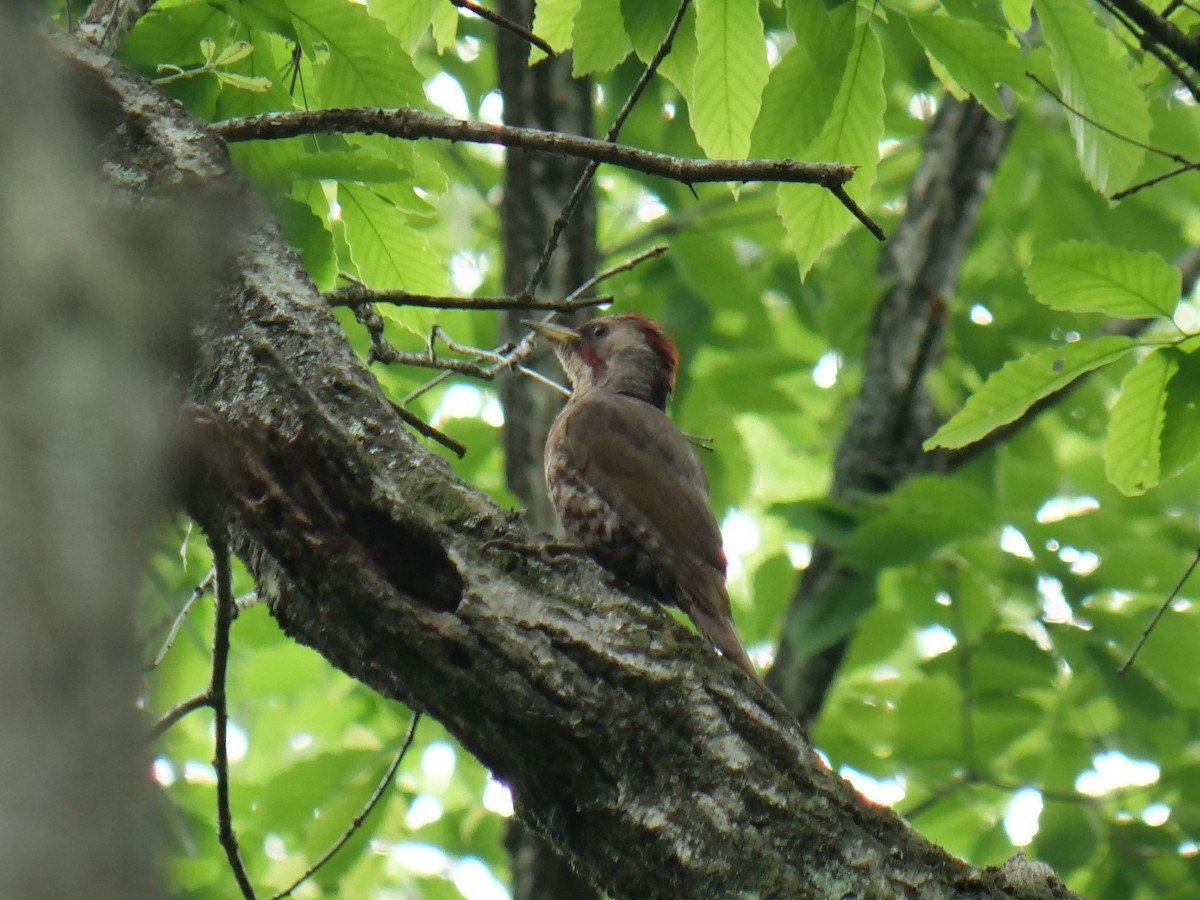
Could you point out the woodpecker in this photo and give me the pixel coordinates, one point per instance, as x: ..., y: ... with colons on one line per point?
x: 624, y: 480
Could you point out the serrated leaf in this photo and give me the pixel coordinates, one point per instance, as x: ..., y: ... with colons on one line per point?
x: 802, y: 89
x: 1022, y: 382
x: 731, y: 72
x: 975, y: 57
x: 244, y: 82
x: 1180, y: 440
x: 599, y: 41
x: 445, y: 26
x: 389, y: 253
x: 1131, y: 449
x: 647, y: 24
x: 815, y: 219
x: 1085, y: 277
x: 554, y: 23
x: 1018, y: 13
x: 365, y: 66
x: 1095, y: 82
x: 406, y: 19
x: 235, y: 52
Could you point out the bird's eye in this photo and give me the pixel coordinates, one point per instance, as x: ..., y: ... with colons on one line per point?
x: 598, y: 331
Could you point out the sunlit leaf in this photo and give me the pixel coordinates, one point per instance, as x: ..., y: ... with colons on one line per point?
x: 1131, y: 452
x: 731, y: 71
x: 1022, y: 382
x: 1107, y: 114
x: 814, y: 218
x: 975, y: 57
x: 599, y: 40
x: 1087, y: 277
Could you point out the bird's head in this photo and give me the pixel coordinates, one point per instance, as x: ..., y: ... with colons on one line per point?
x: 626, y: 353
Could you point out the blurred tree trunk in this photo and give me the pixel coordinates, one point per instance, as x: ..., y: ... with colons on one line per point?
x: 892, y: 414
x: 95, y: 311
x: 536, y: 187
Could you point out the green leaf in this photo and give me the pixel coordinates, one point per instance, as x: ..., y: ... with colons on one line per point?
x: 599, y: 38
x: 814, y: 218
x: 976, y: 57
x: 554, y: 23
x: 407, y: 19
x: 1085, y: 277
x: 647, y: 24
x: 1180, y: 438
x: 1096, y: 83
x: 365, y: 65
x: 1131, y: 451
x: 1022, y: 382
x: 801, y: 90
x: 731, y: 71
x: 254, y: 83
x: 389, y: 253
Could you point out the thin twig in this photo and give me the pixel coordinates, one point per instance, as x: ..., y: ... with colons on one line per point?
x: 585, y: 179
x: 357, y: 295
x: 423, y: 427
x: 513, y: 355
x: 371, y: 803
x: 1150, y: 148
x: 198, y: 700
x: 1158, y: 615
x: 623, y: 266
x: 220, y: 661
x: 177, y: 623
x: 508, y: 24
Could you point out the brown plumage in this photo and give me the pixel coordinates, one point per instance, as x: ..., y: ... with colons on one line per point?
x: 624, y: 480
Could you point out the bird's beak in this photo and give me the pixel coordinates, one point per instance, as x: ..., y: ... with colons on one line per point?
x: 556, y: 334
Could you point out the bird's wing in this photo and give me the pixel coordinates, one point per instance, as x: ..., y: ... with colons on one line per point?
x: 642, y: 465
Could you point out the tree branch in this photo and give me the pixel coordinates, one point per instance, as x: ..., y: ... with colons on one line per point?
x: 413, y: 124
x: 357, y: 295
x: 507, y: 24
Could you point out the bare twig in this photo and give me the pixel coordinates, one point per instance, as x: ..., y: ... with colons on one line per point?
x: 585, y: 179
x: 423, y: 427
x: 358, y: 295
x: 508, y: 24
x: 413, y: 124
x: 177, y: 623
x: 370, y: 805
x: 513, y: 355
x: 1158, y: 615
x: 220, y: 660
x: 198, y: 700
x: 1150, y: 148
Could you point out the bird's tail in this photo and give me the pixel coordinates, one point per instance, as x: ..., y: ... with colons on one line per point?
x: 723, y: 634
